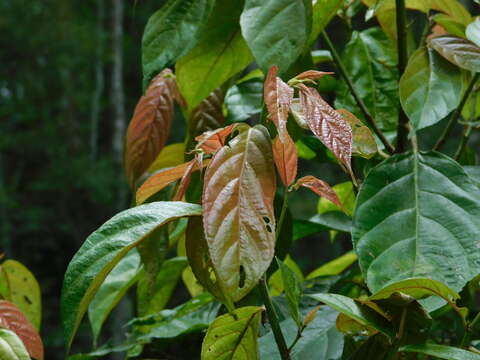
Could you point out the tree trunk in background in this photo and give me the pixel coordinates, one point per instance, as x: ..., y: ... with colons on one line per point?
x: 99, y: 82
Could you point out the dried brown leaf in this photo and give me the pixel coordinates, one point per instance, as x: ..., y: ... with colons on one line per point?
x: 278, y: 98
x: 13, y: 319
x: 162, y: 179
x: 320, y: 188
x: 285, y: 156
x: 238, y: 214
x: 150, y: 126
x: 327, y: 124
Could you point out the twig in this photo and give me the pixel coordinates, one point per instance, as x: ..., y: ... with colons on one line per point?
x: 368, y: 117
x: 273, y: 318
x: 402, y: 129
x: 456, y: 114
x: 467, y: 131
x: 282, y: 214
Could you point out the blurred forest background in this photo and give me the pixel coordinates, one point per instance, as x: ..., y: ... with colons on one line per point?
x: 70, y: 76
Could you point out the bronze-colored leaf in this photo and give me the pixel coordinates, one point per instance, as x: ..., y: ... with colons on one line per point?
x: 13, y: 319
x: 195, y: 164
x: 312, y: 75
x: 208, y: 115
x: 150, y: 125
x: 364, y: 143
x: 211, y: 141
x: 162, y: 179
x: 285, y: 156
x: 459, y: 51
x: 278, y: 97
x: 327, y: 124
x: 320, y: 188
x: 238, y: 214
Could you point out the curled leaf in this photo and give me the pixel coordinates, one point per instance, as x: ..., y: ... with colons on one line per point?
x: 297, y: 112
x: 364, y: 143
x: 320, y: 188
x: 285, y: 156
x: 327, y: 124
x: 458, y: 51
x: 162, y: 179
x: 238, y: 217
x: 208, y: 115
x: 150, y: 125
x: 211, y: 141
x: 13, y: 319
x: 312, y: 75
x: 278, y: 98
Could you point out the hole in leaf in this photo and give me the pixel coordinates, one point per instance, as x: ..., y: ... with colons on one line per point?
x: 266, y: 219
x: 269, y: 228
x: 241, y: 282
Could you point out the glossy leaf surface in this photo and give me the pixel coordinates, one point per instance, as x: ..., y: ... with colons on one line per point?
x: 335, y: 266
x: 473, y: 32
x: 441, y: 351
x: 23, y: 290
x: 286, y: 159
x: 322, y: 12
x: 104, y: 248
x: 11, y: 347
x: 276, y: 30
x: 458, y: 51
x: 233, y: 338
x: 239, y: 220
x: 170, y: 156
x: 13, y: 319
x: 370, y: 60
x: 220, y: 53
x: 244, y: 99
x: 293, y: 291
x: 172, y: 32
x: 430, y: 88
x: 116, y: 284
x: 417, y: 215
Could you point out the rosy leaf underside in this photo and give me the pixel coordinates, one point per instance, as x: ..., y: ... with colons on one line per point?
x: 312, y: 75
x: 150, y: 125
x: 327, y: 124
x: 320, y: 188
x: 278, y: 98
x: 208, y: 115
x: 162, y: 179
x: 286, y: 158
x: 213, y: 140
x: 13, y: 319
x: 239, y: 220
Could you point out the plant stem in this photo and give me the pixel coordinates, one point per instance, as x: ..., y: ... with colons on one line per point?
x: 456, y: 114
x: 273, y: 318
x: 282, y: 214
x: 402, y: 129
x: 368, y: 117
x: 467, y: 131
x: 298, y: 337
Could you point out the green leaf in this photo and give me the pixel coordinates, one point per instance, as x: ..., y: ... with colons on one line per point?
x: 441, y: 351
x: 450, y: 24
x: 364, y: 143
x: 334, y: 267
x: 230, y: 337
x: 323, y: 12
x: 320, y: 339
x: 370, y: 60
x: 11, y: 347
x: 334, y: 220
x: 346, y: 195
x: 473, y: 32
x: 357, y: 311
x: 275, y: 282
x: 473, y: 172
x: 116, y: 284
x: 293, y: 291
x: 244, y: 100
x: 170, y: 156
x: 220, y: 53
x: 430, y: 88
x: 24, y: 290
x: 417, y: 215
x: 276, y: 31
x: 419, y: 288
x: 104, y: 248
x: 150, y: 302
x: 172, y: 32
x: 458, y: 51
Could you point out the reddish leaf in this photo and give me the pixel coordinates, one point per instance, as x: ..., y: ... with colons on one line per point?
x: 208, y: 115
x: 195, y: 164
x: 162, y: 179
x: 312, y: 75
x: 150, y: 125
x: 327, y: 124
x: 238, y: 216
x: 211, y: 141
x: 13, y: 319
x: 278, y: 98
x: 285, y: 156
x: 320, y: 188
